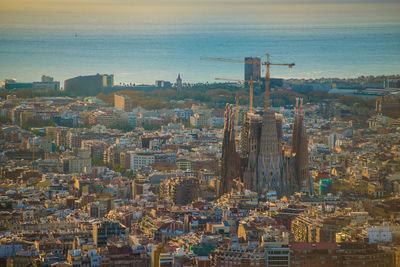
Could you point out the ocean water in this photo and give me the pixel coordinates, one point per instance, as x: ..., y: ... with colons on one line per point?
x: 143, y: 57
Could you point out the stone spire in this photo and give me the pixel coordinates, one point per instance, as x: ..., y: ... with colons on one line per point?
x: 179, y: 83
x: 269, y: 168
x: 230, y: 168
x: 300, y: 149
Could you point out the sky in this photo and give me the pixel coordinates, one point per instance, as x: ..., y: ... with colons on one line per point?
x: 145, y: 14
x: 34, y: 36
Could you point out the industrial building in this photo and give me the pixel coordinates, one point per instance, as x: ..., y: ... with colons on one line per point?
x: 47, y: 83
x: 91, y: 85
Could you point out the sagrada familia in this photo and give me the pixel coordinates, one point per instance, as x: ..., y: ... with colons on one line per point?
x: 263, y: 165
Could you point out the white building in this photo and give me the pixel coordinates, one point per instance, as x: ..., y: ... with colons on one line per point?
x: 141, y: 159
x: 200, y: 119
x: 184, y: 113
x: 379, y: 234
x: 80, y: 163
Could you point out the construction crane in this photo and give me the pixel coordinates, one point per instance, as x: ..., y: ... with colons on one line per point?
x: 237, y: 118
x: 239, y: 184
x: 237, y: 102
x: 251, y: 88
x: 33, y: 148
x: 268, y: 64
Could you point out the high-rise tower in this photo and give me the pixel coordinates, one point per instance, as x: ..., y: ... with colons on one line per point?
x: 252, y: 69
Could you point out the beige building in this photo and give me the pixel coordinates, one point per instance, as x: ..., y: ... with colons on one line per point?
x: 122, y: 102
x: 202, y: 119
x: 78, y: 162
x: 184, y: 164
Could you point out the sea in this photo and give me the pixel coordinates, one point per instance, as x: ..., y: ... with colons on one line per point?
x: 141, y: 57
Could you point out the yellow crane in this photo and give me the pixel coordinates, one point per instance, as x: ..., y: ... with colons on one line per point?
x: 251, y: 82
x: 239, y: 184
x: 33, y: 148
x: 237, y: 119
x: 237, y: 101
x: 268, y: 64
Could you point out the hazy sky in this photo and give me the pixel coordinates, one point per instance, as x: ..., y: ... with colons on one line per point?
x: 34, y: 37
x: 76, y: 14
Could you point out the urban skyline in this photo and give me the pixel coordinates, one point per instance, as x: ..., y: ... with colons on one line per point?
x: 190, y: 133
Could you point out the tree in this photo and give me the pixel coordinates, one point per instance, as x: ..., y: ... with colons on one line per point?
x: 35, y: 122
x: 5, y: 120
x: 98, y: 162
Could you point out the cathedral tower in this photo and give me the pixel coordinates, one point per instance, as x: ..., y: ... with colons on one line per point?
x: 179, y: 83
x: 230, y: 168
x: 300, y: 149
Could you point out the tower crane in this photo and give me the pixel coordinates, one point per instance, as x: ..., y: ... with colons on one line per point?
x: 251, y: 82
x: 239, y: 184
x: 267, y: 64
x: 33, y: 148
x: 237, y: 118
x: 237, y: 101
